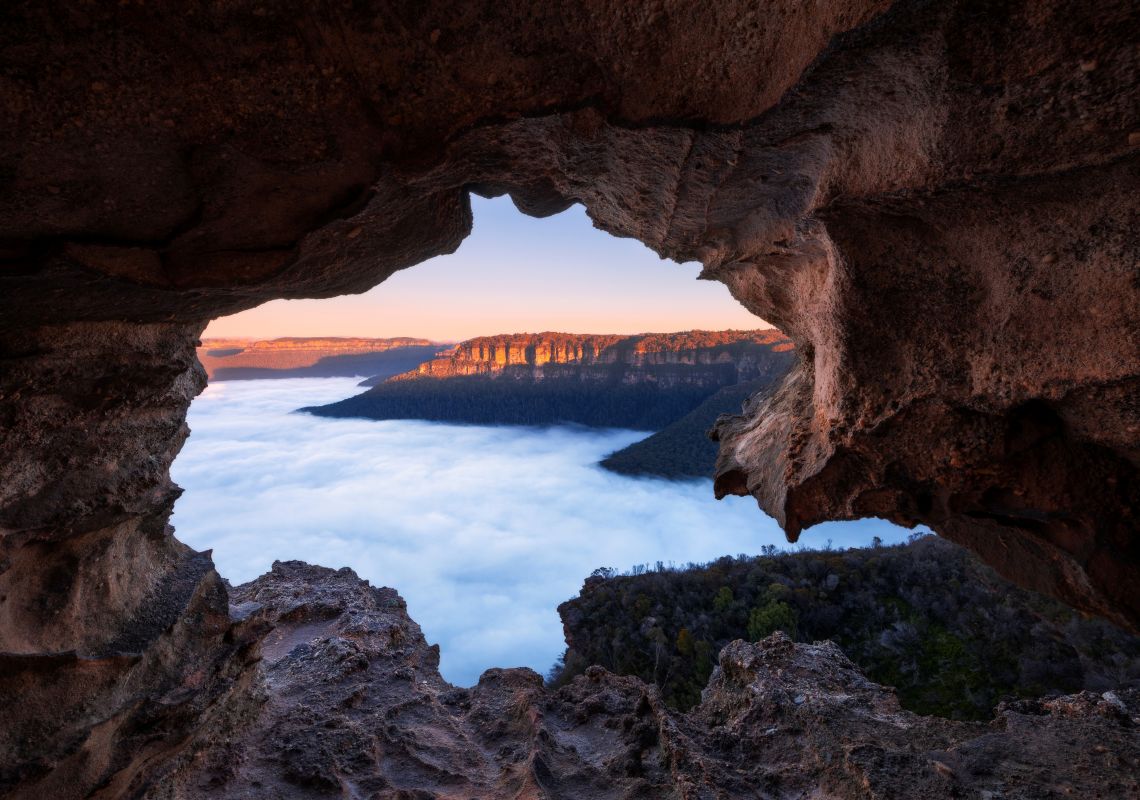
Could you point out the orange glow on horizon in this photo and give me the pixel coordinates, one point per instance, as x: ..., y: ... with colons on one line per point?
x: 513, y: 274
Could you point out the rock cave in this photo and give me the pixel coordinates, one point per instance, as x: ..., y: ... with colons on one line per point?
x: 937, y: 202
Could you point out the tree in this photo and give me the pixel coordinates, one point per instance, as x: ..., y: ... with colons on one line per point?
x: 926, y: 618
x: 775, y: 615
x: 685, y: 642
x: 723, y: 599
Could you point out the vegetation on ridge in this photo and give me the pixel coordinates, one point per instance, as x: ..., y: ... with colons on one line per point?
x: 645, y: 382
x: 927, y: 618
x: 683, y: 448
x: 482, y: 401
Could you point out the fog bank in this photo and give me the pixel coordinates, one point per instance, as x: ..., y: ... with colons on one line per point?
x: 484, y: 531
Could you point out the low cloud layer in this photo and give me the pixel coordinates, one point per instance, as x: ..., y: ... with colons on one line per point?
x: 484, y: 531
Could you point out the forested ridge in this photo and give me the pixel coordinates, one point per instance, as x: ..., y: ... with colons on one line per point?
x: 926, y: 617
x: 484, y: 401
x: 683, y: 449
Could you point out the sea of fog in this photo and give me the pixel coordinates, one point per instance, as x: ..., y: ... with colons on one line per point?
x: 483, y: 530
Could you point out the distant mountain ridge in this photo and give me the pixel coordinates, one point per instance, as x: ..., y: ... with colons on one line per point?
x: 643, y: 381
x: 312, y: 357
x: 540, y: 355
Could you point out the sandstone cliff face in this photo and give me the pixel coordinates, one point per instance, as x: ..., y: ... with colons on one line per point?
x: 353, y: 705
x: 714, y: 358
x: 643, y: 382
x: 935, y: 201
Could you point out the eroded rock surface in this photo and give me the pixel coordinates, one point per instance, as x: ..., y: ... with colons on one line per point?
x: 353, y: 706
x: 115, y: 638
x: 935, y: 201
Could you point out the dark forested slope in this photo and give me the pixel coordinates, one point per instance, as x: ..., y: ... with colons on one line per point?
x: 926, y: 617
x: 482, y: 401
x: 682, y: 449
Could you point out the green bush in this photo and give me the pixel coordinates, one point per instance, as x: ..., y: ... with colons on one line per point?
x: 775, y: 615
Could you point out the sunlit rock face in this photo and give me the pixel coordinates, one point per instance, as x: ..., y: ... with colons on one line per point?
x: 935, y: 202
x: 712, y: 357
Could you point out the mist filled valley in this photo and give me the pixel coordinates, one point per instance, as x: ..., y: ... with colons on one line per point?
x: 485, y: 530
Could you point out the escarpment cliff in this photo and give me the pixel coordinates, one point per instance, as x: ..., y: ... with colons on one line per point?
x: 697, y: 357
x: 644, y: 382
x: 934, y: 201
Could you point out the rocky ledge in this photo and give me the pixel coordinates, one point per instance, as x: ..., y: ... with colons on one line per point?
x: 349, y: 702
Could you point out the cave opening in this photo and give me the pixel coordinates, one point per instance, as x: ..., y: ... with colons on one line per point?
x: 484, y: 528
x: 932, y: 199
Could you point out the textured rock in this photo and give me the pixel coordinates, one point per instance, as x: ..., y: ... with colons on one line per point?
x: 354, y: 706
x: 935, y: 201
x: 114, y: 637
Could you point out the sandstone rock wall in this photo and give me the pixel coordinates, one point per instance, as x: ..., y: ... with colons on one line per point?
x: 731, y: 356
x: 935, y: 201
x: 115, y: 638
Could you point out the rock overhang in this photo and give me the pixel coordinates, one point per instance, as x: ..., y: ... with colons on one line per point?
x: 944, y: 259
x: 936, y: 202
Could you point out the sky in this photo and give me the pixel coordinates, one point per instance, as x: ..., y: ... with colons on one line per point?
x: 514, y: 274
x: 483, y: 530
